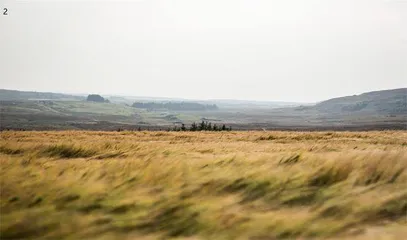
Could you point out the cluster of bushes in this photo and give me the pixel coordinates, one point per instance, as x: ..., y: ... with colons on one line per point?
x: 96, y: 98
x: 203, y: 126
x: 176, y: 106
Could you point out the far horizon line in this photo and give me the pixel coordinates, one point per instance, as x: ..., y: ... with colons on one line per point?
x: 196, y: 99
x: 155, y: 97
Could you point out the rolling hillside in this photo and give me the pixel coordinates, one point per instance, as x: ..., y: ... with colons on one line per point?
x: 45, y: 111
x: 7, y: 95
x: 380, y: 102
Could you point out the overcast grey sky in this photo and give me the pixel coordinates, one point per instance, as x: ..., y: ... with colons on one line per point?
x: 282, y: 50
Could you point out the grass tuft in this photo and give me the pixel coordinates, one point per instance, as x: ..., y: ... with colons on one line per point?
x: 122, y: 209
x: 67, y: 151
x: 176, y: 219
x: 335, y: 210
x: 36, y: 202
x: 268, y: 138
x: 391, y: 209
x: 90, y: 208
x: 329, y: 175
x: 28, y: 229
x: 290, y: 160
x: 381, y: 171
x: 300, y: 197
x: 250, y: 189
x: 10, y: 151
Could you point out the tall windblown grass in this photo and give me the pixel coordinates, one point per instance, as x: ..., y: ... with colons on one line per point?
x: 67, y: 151
x: 203, y: 185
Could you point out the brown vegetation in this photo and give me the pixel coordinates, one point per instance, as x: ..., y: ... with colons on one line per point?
x: 203, y: 185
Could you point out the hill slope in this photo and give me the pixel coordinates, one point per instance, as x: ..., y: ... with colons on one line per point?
x: 374, y: 110
x: 6, y: 95
x: 383, y: 102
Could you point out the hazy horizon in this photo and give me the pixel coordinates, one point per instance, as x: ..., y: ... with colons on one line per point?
x: 181, y: 98
x: 286, y: 51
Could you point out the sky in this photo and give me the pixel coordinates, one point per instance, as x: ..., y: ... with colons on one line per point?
x: 269, y: 50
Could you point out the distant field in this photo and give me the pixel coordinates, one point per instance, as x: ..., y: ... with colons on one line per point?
x: 83, y: 115
x: 70, y: 115
x: 203, y: 185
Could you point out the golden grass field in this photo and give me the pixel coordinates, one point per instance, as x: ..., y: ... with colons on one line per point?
x: 203, y: 185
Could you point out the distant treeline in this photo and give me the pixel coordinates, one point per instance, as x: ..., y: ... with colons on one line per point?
x: 176, y: 106
x: 96, y: 98
x: 203, y: 126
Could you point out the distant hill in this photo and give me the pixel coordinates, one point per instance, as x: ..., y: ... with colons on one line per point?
x: 377, y: 110
x: 381, y: 102
x: 14, y: 95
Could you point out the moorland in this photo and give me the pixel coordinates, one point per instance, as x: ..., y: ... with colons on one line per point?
x: 378, y: 110
x: 203, y: 185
